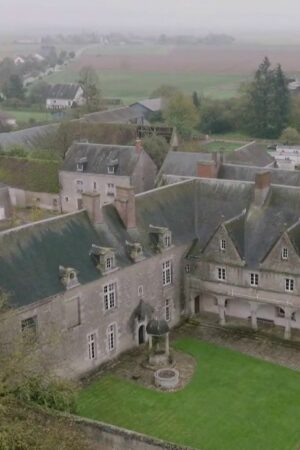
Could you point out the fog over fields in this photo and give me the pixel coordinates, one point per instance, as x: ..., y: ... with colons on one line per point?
x: 281, y: 16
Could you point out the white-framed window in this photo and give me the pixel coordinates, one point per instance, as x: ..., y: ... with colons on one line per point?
x: 222, y: 245
x: 110, y: 189
x: 109, y: 263
x: 289, y: 284
x: 167, y: 273
x: 141, y: 290
x: 110, y: 296
x: 187, y: 268
x: 79, y: 186
x: 254, y: 279
x: 92, y: 348
x: 221, y: 272
x: 79, y: 167
x: 111, y: 336
x: 168, y: 310
x: 29, y: 329
x: 284, y: 254
x: 111, y: 170
x: 167, y: 240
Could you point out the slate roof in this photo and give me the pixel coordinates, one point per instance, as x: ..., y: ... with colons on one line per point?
x: 28, y: 137
x: 247, y: 173
x: 99, y: 156
x: 183, y: 163
x: 193, y: 210
x: 117, y: 115
x: 152, y: 104
x: 253, y: 154
x: 62, y: 91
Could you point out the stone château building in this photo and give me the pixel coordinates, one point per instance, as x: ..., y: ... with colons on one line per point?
x: 97, y: 276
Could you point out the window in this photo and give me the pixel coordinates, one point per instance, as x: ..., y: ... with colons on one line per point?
x: 95, y: 186
x: 167, y: 240
x: 289, y: 284
x: 280, y: 312
x: 111, y: 336
x: 168, y: 310
x: 221, y: 273
x: 254, y: 279
x: 109, y: 263
x: 92, y: 345
x: 140, y: 291
x: 111, y: 170
x: 67, y: 199
x: 109, y: 296
x: 222, y: 245
x: 187, y: 268
x: 167, y: 273
x: 284, y: 253
x: 79, y: 186
x: 73, y: 312
x: 110, y: 189
x: 29, y: 328
x: 79, y: 167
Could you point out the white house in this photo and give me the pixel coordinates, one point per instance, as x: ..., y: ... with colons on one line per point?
x: 19, y: 60
x: 64, y: 96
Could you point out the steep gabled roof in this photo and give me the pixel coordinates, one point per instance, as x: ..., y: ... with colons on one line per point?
x: 253, y: 154
x: 62, y: 91
x: 236, y: 230
x: 248, y: 173
x: 99, y: 156
x: 152, y: 104
x: 183, y: 163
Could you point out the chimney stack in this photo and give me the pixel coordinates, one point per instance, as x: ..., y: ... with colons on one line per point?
x: 92, y: 203
x: 207, y: 169
x: 262, y: 187
x: 125, y: 205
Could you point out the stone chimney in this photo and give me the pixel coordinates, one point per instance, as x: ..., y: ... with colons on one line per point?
x: 262, y: 187
x: 207, y: 169
x: 91, y: 201
x: 125, y: 205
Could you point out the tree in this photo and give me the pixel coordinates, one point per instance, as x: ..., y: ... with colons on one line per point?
x: 157, y: 148
x: 196, y: 100
x: 181, y: 113
x: 38, y: 93
x: 13, y: 88
x: 89, y: 81
x: 290, y: 136
x: 266, y: 102
x: 165, y: 91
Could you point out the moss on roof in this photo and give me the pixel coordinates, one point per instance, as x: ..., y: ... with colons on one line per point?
x: 30, y: 175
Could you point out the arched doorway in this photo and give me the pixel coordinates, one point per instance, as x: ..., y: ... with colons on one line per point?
x: 141, y: 334
x: 197, y: 305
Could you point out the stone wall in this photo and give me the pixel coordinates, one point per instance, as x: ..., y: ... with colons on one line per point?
x: 108, y: 437
x: 24, y: 199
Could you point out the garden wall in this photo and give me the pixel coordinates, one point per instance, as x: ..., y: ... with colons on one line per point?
x: 108, y: 437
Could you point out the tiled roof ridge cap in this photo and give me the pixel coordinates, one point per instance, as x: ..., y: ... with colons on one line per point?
x: 39, y: 222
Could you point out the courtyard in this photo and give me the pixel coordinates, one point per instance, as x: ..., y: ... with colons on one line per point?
x: 233, y: 401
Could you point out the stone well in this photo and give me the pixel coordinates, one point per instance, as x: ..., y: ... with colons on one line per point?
x: 167, y: 378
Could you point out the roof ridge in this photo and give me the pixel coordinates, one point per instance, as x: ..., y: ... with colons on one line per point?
x: 39, y: 222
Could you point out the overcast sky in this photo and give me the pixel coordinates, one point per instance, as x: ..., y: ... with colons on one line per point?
x: 158, y: 15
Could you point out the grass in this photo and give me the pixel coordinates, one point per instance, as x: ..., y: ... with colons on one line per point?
x: 215, y: 146
x: 26, y: 115
x: 130, y: 85
x: 233, y: 402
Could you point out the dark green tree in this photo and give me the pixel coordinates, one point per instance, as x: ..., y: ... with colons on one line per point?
x: 196, y: 100
x: 266, y: 102
x: 89, y: 81
x: 13, y: 88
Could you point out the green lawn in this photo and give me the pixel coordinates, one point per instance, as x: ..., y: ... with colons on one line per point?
x: 225, y: 146
x: 233, y: 402
x: 26, y: 115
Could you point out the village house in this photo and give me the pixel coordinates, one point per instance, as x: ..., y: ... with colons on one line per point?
x: 64, y: 96
x: 100, y: 168
x: 148, y: 107
x: 7, y: 120
x: 96, y: 277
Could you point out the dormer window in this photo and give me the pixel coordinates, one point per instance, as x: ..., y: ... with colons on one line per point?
x: 161, y: 237
x: 222, y: 245
x: 68, y: 277
x: 103, y: 258
x: 111, y: 170
x: 284, y: 254
x: 81, y: 164
x: 112, y: 166
x: 135, y: 251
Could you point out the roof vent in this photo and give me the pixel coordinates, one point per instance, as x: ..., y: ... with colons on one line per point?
x: 68, y: 277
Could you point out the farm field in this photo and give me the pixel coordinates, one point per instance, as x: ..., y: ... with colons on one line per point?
x: 233, y: 402
x: 25, y: 115
x: 132, y: 72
